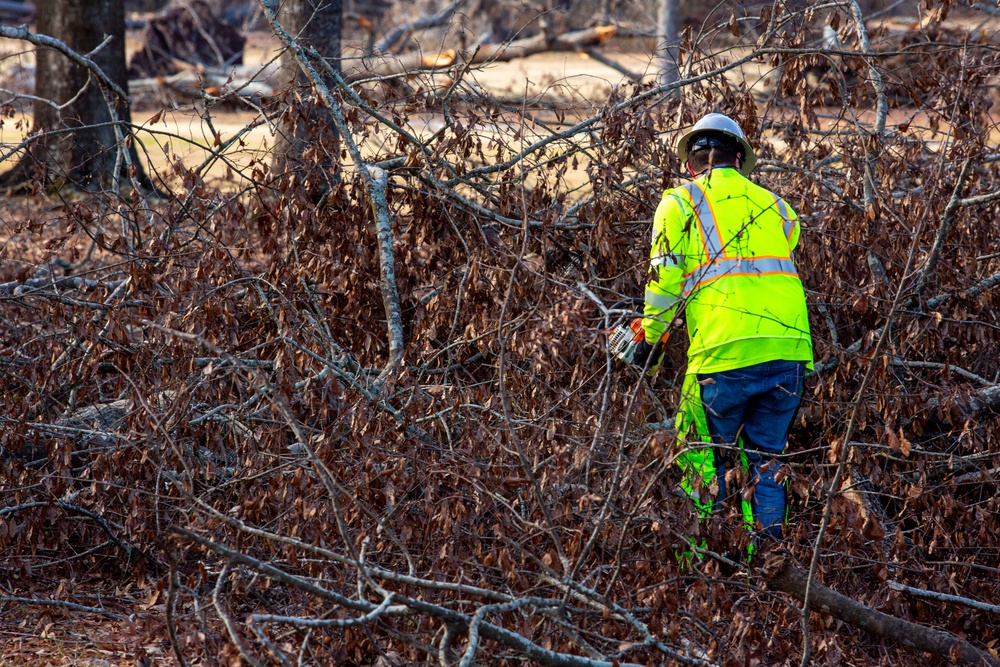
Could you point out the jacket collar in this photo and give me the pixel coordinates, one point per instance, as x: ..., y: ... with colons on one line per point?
x: 724, y: 172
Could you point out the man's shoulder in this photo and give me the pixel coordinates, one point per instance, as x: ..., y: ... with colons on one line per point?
x: 679, y: 195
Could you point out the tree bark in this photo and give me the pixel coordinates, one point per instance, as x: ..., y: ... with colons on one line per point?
x: 667, y: 27
x: 316, y: 24
x: 77, y: 143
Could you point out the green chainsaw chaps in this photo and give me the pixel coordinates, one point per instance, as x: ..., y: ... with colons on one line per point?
x: 697, y: 457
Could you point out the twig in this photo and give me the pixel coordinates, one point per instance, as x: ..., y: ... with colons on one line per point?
x: 477, y: 621
x: 976, y: 476
x: 881, y: 104
x: 127, y: 548
x: 18, y: 288
x: 375, y: 181
x: 227, y: 622
x: 608, y: 62
x: 386, y: 44
x: 553, y: 533
x: 327, y: 622
x: 277, y: 574
x: 171, y: 601
x: 266, y: 641
x: 778, y: 165
x: 945, y: 367
x: 976, y: 290
x: 407, y: 606
x: 834, y: 488
x: 387, y: 284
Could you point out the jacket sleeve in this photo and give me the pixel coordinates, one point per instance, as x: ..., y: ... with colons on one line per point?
x: 666, y: 270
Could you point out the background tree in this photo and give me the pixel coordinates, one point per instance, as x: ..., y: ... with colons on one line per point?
x: 77, y: 121
x: 307, y: 126
x: 667, y: 27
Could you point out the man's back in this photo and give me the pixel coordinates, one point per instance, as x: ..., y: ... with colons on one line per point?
x: 731, y: 244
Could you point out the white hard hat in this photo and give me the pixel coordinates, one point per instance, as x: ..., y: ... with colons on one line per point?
x: 716, y: 122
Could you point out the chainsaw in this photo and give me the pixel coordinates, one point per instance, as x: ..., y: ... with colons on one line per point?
x: 627, y: 335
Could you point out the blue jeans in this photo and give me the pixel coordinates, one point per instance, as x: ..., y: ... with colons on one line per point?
x: 756, y: 403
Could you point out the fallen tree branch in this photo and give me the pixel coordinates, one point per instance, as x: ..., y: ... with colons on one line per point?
x: 197, y: 84
x: 979, y: 402
x: 977, y: 476
x: 979, y: 288
x: 375, y: 180
x: 326, y: 622
x: 17, y: 288
x: 387, y: 268
x: 68, y: 507
x: 787, y: 578
x: 905, y: 363
x: 408, y: 606
x: 613, y: 64
x: 944, y: 597
x: 385, y: 66
x: 61, y: 603
x: 946, y: 221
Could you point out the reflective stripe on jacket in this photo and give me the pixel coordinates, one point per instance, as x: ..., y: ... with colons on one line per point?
x: 723, y: 245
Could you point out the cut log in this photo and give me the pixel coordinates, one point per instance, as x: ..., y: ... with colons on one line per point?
x: 249, y: 82
x: 787, y: 578
x: 380, y: 66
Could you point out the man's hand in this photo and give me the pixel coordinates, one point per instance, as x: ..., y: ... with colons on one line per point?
x: 644, y: 352
x: 630, y: 345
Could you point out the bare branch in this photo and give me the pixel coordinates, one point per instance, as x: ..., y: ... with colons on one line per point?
x: 375, y: 182
x: 22, y: 33
x: 944, y: 597
x: 946, y: 220
x: 60, y: 603
x: 397, y: 34
x: 327, y: 622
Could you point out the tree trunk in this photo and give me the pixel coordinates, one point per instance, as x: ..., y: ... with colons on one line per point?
x: 667, y: 28
x: 85, y: 155
x: 317, y: 24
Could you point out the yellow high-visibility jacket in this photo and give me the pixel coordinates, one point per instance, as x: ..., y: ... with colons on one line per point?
x: 723, y: 246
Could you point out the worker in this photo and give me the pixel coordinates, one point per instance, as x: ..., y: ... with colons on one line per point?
x: 722, y: 255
